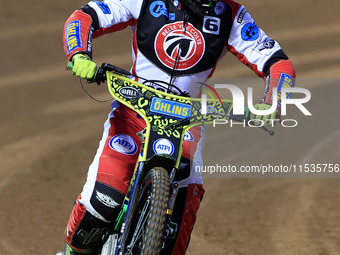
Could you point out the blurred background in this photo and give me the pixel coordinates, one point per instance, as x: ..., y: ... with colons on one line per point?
x: 50, y: 129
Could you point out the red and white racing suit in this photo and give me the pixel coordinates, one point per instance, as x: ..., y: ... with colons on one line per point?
x: 174, y: 45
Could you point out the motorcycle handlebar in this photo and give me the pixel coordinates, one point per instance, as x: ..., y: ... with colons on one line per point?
x: 100, y: 75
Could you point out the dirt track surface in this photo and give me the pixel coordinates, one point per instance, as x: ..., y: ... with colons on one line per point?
x: 50, y: 131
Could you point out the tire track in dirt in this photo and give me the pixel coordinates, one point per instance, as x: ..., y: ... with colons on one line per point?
x: 312, y: 32
x: 323, y: 71
x: 237, y: 224
x: 302, y: 215
x: 291, y: 235
x: 18, y: 163
x: 31, y: 31
x: 17, y: 156
x: 332, y: 140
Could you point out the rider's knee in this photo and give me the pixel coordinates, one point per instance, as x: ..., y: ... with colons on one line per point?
x: 106, y: 201
x: 104, y: 196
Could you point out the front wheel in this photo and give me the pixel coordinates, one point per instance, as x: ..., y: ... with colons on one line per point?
x: 149, y: 218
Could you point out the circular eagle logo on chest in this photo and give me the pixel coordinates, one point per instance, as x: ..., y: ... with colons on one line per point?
x: 179, y: 48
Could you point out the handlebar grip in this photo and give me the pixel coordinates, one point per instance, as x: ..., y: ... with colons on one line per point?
x: 109, y: 67
x: 246, y: 118
x: 69, y: 66
x: 98, y: 77
x: 241, y: 117
x: 100, y: 73
x: 238, y: 118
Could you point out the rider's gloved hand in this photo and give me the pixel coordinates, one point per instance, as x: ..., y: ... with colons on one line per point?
x: 83, y: 66
x: 269, y: 119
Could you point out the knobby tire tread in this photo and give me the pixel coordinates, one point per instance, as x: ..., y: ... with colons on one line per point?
x: 153, y: 237
x: 156, y: 186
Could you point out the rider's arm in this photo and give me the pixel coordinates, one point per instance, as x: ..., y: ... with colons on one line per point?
x: 259, y: 52
x: 95, y: 19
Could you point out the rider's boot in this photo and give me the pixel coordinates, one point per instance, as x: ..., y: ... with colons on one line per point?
x: 87, y: 228
x: 84, y: 232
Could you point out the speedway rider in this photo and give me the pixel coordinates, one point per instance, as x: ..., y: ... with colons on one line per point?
x: 173, y: 41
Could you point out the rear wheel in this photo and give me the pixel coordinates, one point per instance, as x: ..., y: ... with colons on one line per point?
x: 149, y: 218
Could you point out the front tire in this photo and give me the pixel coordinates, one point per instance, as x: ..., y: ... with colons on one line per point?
x: 149, y: 218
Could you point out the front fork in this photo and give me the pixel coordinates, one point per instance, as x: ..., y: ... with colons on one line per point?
x: 174, y: 188
x: 173, y: 193
x: 123, y: 219
x: 120, y: 225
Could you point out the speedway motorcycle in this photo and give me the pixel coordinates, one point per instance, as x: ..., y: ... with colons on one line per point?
x: 143, y: 222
